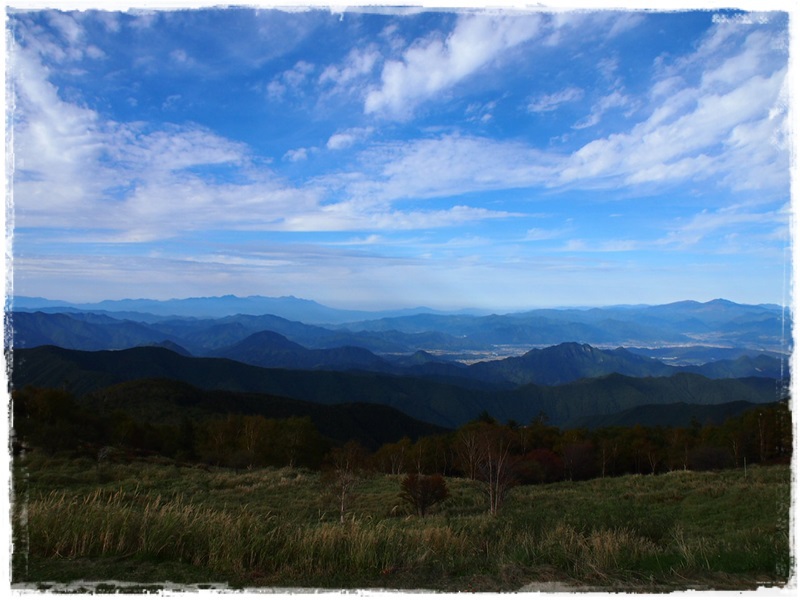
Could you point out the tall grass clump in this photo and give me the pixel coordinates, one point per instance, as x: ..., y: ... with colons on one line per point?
x: 595, y: 554
x: 151, y: 527
x: 334, y: 550
x: 231, y: 540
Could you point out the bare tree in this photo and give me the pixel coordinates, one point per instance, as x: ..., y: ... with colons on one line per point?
x: 300, y: 440
x: 397, y: 455
x: 468, y: 450
x: 344, y: 471
x: 495, y: 464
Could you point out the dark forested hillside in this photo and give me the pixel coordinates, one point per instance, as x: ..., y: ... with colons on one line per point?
x: 434, y: 402
x: 170, y: 402
x: 679, y: 414
x: 568, y: 362
x: 269, y: 349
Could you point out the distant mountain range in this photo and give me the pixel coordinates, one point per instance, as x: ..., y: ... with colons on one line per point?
x: 288, y: 307
x: 421, y: 367
x: 719, y: 323
x: 232, y: 337
x: 714, y: 323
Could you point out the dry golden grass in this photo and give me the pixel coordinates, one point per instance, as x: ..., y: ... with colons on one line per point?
x: 272, y: 527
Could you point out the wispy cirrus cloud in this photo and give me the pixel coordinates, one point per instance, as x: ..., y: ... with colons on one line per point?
x: 444, y: 165
x: 616, y: 99
x: 603, y: 247
x: 551, y: 102
x: 345, y: 139
x: 705, y: 129
x: 758, y: 224
x: 355, y: 216
x: 433, y: 65
x: 727, y: 122
x: 539, y: 234
x: 359, y: 63
x: 144, y: 183
x: 290, y: 81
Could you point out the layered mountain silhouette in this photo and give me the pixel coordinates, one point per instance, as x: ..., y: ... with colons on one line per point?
x: 442, y: 404
x: 233, y: 338
x: 624, y: 363
x: 717, y: 323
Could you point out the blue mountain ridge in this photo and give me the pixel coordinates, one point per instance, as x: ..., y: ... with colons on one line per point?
x: 677, y: 322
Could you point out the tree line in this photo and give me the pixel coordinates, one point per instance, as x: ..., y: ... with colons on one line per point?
x: 501, y: 455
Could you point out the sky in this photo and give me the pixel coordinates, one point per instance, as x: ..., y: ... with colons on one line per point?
x: 383, y: 158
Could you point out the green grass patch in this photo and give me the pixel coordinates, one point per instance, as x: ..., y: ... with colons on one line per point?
x: 279, y: 527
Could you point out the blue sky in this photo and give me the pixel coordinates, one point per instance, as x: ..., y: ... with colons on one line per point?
x: 389, y: 158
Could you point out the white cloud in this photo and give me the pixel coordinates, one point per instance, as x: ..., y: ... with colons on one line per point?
x: 275, y: 90
x: 94, y: 52
x: 345, y: 139
x: 433, y: 65
x: 447, y: 165
x: 724, y: 126
x: 290, y: 80
x: 539, y: 234
x: 110, y: 20
x: 181, y: 58
x: 758, y: 225
x: 66, y: 42
x: 608, y: 67
x: 733, y: 134
x: 359, y: 63
x: 66, y: 25
x: 75, y: 171
x: 298, y: 74
x: 625, y: 21
x: 601, y: 25
x: 169, y: 149
x: 550, y: 102
x: 605, y: 246
x: 354, y: 216
x: 615, y: 99
x: 481, y: 112
x: 144, y: 18
x: 296, y: 155
x: 369, y: 240
x: 53, y: 140
x: 171, y: 102
x: 129, y: 182
x: 338, y: 141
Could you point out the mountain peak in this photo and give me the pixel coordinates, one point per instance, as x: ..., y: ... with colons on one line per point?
x: 720, y: 302
x: 268, y: 340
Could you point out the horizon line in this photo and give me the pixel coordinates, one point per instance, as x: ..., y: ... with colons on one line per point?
x: 56, y: 303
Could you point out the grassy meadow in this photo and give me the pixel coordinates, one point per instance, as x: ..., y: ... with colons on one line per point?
x: 150, y: 522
